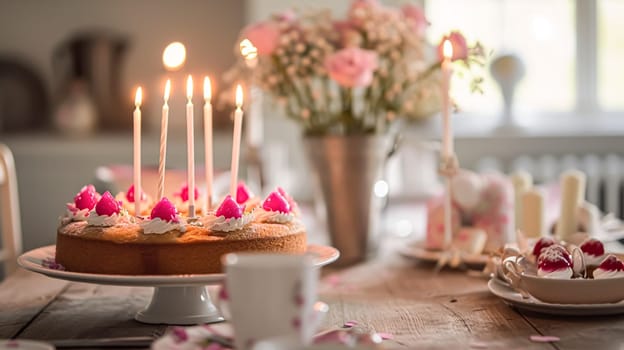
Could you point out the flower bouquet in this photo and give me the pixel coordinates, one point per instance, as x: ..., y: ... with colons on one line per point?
x: 349, y: 76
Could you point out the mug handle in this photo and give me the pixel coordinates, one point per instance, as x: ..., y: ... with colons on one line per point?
x: 513, y: 274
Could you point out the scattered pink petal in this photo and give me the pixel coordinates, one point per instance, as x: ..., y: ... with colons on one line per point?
x: 333, y: 279
x: 179, y: 334
x: 386, y: 336
x: 223, y: 293
x: 51, y: 263
x: 478, y: 345
x: 335, y: 336
x: 350, y: 324
x: 544, y: 338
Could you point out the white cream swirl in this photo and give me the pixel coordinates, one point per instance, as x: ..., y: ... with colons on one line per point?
x: 563, y: 274
x: 593, y: 260
x: 602, y: 273
x: 104, y: 220
x: 278, y: 217
x: 223, y: 224
x: 77, y: 215
x: 159, y: 226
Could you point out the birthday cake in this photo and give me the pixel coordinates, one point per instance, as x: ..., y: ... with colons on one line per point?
x: 99, y: 235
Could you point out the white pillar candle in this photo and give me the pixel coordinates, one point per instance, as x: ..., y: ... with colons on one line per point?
x: 208, y: 142
x: 532, y: 220
x: 522, y: 181
x: 137, y: 151
x: 572, y: 196
x: 190, y: 142
x: 236, y: 140
x: 163, y: 141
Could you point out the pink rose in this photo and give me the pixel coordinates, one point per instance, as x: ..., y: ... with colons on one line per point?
x: 460, y: 49
x: 264, y: 36
x: 416, y: 19
x: 352, y: 67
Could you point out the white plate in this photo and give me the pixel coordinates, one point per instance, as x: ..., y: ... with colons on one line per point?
x: 418, y: 251
x: 18, y: 344
x: 33, y: 259
x: 513, y: 298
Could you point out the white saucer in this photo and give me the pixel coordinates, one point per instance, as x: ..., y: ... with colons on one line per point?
x: 513, y: 298
x: 418, y: 251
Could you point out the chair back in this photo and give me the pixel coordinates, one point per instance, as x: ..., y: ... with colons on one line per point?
x: 10, y: 214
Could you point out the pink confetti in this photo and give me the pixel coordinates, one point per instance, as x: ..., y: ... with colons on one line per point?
x: 544, y: 338
x: 478, y: 345
x: 350, y: 324
x: 386, y: 336
x: 335, y: 336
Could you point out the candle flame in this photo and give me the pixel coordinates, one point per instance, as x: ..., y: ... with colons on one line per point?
x: 447, y: 49
x: 189, y: 87
x: 167, y: 90
x: 138, y: 97
x: 239, y: 96
x: 248, y: 50
x: 207, y: 89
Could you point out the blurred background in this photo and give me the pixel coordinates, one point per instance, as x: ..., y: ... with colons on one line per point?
x: 69, y: 68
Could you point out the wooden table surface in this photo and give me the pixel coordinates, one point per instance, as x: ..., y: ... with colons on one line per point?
x: 422, y: 310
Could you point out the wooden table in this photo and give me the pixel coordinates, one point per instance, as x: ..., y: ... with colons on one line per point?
x: 451, y: 310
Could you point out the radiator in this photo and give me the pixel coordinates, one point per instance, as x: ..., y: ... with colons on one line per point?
x: 604, y: 174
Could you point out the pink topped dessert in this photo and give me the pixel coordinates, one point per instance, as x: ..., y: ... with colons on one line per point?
x: 165, y: 210
x: 130, y: 195
x: 184, y: 193
x: 230, y: 209
x: 108, y: 212
x: 611, y: 267
x: 84, y: 202
x: 294, y: 208
x: 107, y: 205
x: 128, y: 198
x: 593, y: 252
x: 552, y: 263
x: 277, y: 203
x: 230, y: 216
x: 163, y: 218
x: 243, y: 193
x: 275, y: 209
x: 542, y: 243
x: 87, y: 198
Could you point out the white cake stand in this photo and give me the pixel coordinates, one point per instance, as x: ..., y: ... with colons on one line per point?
x: 177, y: 299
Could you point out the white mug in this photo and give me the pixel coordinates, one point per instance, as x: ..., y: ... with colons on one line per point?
x: 269, y: 295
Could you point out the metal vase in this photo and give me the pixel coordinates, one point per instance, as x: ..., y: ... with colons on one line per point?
x: 346, y: 169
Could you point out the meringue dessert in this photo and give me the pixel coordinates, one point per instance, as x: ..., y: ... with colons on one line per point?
x: 98, y: 234
x: 610, y: 267
x: 555, y: 262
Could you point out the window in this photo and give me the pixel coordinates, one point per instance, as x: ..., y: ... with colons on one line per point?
x: 566, y: 71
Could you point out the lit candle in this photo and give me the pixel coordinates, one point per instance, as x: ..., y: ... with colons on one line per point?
x: 572, y: 196
x: 163, y: 141
x: 190, y: 143
x: 238, y: 124
x: 208, y: 141
x: 137, y: 152
x: 447, y: 71
x: 447, y: 136
x: 531, y: 222
x: 253, y: 122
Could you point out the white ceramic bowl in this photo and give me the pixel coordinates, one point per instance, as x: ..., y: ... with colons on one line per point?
x: 573, y: 291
